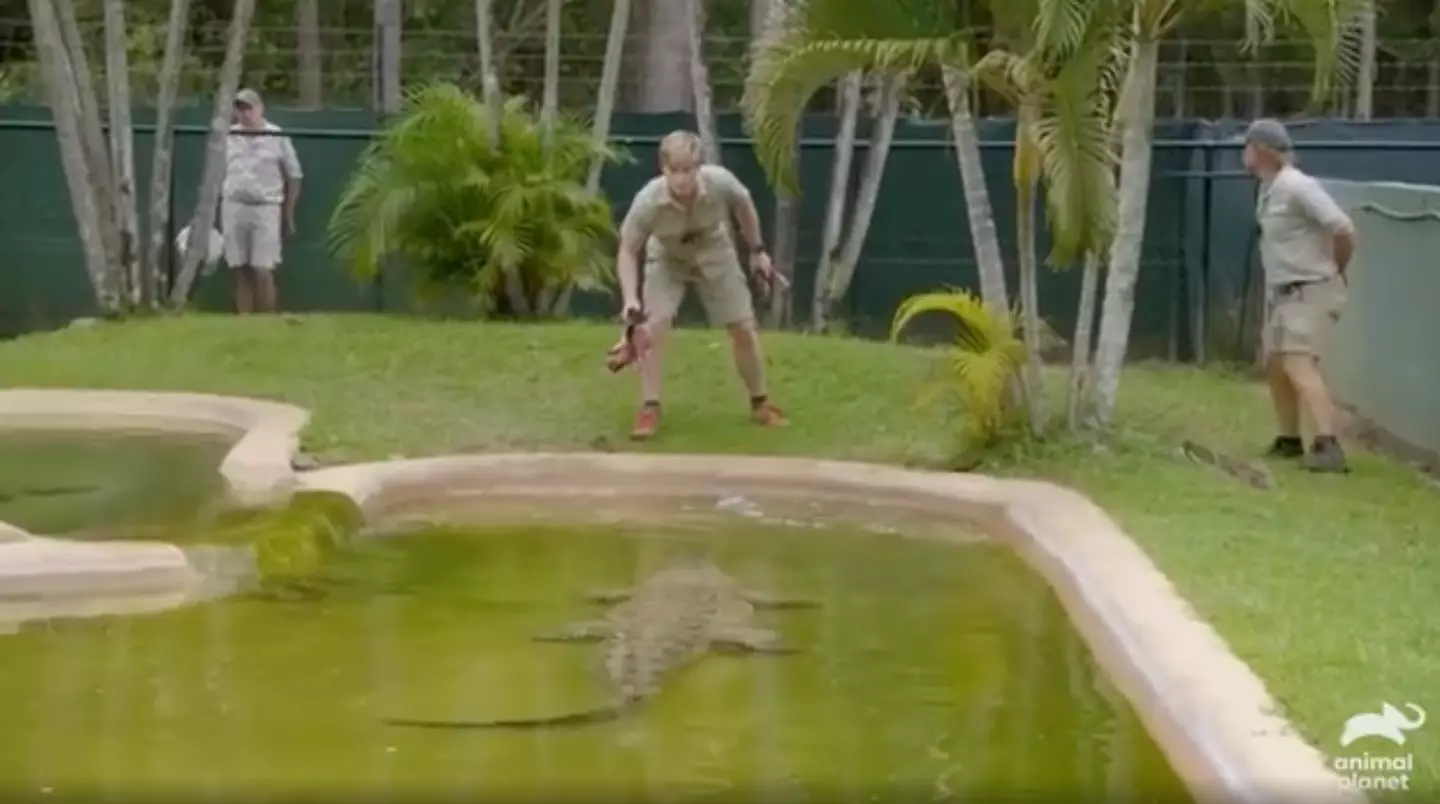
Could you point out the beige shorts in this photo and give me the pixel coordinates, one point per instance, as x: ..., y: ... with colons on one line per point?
x: 717, y: 277
x: 1300, y: 318
x: 252, y: 235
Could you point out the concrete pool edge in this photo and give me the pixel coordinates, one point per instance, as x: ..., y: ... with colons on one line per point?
x: 1209, y: 712
x: 1206, y: 709
x: 256, y: 470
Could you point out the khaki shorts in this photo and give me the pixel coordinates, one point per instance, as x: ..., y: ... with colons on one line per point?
x: 1301, y: 317
x: 252, y: 235
x: 717, y: 278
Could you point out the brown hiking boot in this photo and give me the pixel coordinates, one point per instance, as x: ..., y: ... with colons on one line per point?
x: 1326, y: 456
x: 767, y: 414
x: 647, y: 421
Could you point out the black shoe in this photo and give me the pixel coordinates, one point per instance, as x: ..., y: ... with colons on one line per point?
x: 1326, y: 456
x: 1286, y: 447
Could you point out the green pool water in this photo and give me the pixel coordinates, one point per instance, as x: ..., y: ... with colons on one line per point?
x: 929, y: 672
x: 106, y: 484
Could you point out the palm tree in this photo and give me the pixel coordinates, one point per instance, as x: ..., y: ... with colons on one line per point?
x: 1061, y: 24
x: 789, y: 63
x: 1063, y: 97
x: 1063, y: 107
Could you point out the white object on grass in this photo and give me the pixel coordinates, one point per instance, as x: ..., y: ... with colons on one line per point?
x: 216, y: 251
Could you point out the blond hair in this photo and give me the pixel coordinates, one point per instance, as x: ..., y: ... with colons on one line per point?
x: 680, y: 143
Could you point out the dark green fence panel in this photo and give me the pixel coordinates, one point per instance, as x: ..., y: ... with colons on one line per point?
x: 1199, y: 264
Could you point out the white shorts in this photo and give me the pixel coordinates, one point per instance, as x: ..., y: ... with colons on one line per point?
x: 252, y: 235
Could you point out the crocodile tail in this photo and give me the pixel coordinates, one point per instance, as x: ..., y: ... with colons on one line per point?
x: 600, y: 714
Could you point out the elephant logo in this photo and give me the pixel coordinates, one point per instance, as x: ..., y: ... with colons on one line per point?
x: 1389, y: 723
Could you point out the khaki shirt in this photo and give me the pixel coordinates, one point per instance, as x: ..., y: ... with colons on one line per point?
x: 1297, y: 220
x: 679, y: 232
x: 256, y: 167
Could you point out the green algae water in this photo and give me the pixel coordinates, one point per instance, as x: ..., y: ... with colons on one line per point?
x: 929, y: 671
x: 105, y: 483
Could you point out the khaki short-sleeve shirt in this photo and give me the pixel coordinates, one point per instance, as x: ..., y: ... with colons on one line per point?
x: 1297, y: 220
x: 678, y: 232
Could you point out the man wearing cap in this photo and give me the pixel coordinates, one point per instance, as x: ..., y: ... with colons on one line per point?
x: 262, y: 184
x: 1306, y: 242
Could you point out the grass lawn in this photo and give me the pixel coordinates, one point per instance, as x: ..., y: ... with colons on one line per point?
x: 1325, y: 585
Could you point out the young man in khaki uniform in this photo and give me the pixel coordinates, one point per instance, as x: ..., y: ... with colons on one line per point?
x: 1306, y: 242
x: 262, y: 186
x: 679, y: 221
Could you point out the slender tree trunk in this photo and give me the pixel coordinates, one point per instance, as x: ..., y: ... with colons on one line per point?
x: 164, y: 151
x: 609, y: 83
x: 1365, y: 77
x: 97, y: 156
x: 604, y: 111
x: 550, y: 106
x: 493, y: 97
x: 989, y: 262
x: 1080, y: 344
x: 549, y: 119
x: 1124, y: 271
x: 203, y: 220
x: 389, y: 43
x: 122, y: 152
x: 1257, y: 72
x: 700, y: 81
x: 666, y: 86
x: 704, y: 99
x: 1027, y: 180
x: 787, y: 241
x: 311, y: 52
x: 490, y: 82
x: 850, y: 87
x: 881, y: 135
x: 1082, y: 341
x: 763, y: 14
x: 61, y: 89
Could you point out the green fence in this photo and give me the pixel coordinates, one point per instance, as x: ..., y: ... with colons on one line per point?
x: 1195, y: 292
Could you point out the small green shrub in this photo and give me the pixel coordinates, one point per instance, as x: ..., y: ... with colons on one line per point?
x: 979, y: 369
x: 464, y: 210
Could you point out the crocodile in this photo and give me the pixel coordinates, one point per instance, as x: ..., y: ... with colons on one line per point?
x: 673, y: 617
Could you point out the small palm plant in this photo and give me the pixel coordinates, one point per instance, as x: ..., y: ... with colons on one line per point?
x: 510, y: 223
x: 987, y: 357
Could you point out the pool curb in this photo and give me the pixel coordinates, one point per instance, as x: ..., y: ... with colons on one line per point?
x: 1210, y: 714
x: 256, y: 471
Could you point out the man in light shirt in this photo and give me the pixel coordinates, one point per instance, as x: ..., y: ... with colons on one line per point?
x: 262, y: 185
x: 1306, y: 242
x: 678, y: 225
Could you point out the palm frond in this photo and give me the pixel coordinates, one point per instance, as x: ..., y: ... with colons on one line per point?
x: 809, y: 43
x: 1073, y: 135
x: 986, y: 357
x: 782, y: 80
x: 1333, y: 28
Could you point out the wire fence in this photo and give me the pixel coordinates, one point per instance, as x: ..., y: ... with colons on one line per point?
x: 1199, y: 77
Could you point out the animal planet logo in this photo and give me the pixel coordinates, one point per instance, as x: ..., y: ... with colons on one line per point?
x: 1367, y: 772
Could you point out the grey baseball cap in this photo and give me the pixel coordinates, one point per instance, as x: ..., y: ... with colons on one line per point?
x: 1270, y: 134
x: 249, y: 97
